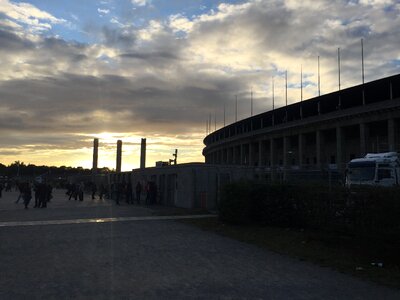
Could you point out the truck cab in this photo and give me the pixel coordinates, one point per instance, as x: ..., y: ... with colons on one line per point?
x: 375, y: 169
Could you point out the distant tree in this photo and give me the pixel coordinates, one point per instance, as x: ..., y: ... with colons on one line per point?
x: 3, y: 169
x: 19, y: 168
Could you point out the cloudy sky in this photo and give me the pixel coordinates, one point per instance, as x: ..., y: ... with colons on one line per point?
x: 126, y: 69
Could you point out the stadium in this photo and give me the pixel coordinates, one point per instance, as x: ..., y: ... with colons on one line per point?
x: 324, y: 132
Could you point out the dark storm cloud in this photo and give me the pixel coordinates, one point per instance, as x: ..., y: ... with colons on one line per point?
x: 46, y: 141
x: 13, y: 121
x: 69, y: 103
x: 60, y: 47
x: 53, y: 50
x: 12, y: 42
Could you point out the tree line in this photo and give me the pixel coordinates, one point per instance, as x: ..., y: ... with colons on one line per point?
x: 20, y: 169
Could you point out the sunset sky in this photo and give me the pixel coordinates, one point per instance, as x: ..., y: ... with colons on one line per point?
x: 126, y: 69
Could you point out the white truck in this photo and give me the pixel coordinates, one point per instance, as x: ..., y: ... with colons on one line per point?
x: 379, y: 169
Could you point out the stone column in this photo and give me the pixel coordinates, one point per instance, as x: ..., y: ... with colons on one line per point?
x: 363, y: 139
x: 143, y: 154
x: 95, y: 155
x: 251, y: 154
x: 260, y: 154
x: 119, y: 156
x: 300, y: 150
x: 318, y: 142
x: 339, y: 148
x: 285, y: 151
x: 392, y: 134
x: 236, y: 157
x: 272, y: 158
x: 229, y: 156
x: 225, y: 156
x: 241, y: 154
x: 285, y: 156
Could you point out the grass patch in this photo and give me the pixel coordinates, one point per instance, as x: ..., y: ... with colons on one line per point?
x: 342, y: 253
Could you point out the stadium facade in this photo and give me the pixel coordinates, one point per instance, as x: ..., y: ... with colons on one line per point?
x: 324, y: 132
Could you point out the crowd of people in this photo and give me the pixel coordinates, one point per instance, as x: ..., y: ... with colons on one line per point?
x: 120, y: 191
x: 124, y: 191
x: 42, y: 192
x: 77, y: 191
x: 7, y: 187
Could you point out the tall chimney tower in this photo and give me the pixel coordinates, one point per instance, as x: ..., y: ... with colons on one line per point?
x: 119, y: 155
x: 95, y: 155
x: 143, y: 154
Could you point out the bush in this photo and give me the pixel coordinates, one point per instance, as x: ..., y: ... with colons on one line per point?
x: 235, y: 206
x: 249, y: 202
x: 370, y: 211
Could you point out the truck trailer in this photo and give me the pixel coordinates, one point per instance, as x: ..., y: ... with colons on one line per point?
x: 376, y: 169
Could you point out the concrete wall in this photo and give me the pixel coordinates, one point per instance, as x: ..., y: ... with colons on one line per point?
x: 193, y: 185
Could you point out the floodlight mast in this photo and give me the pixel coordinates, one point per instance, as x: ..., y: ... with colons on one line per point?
x: 175, y: 159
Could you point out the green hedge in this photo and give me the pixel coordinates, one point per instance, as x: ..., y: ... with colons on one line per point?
x: 370, y: 211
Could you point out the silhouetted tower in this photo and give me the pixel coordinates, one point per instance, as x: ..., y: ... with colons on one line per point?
x: 119, y: 155
x: 143, y: 154
x: 175, y: 160
x: 95, y: 155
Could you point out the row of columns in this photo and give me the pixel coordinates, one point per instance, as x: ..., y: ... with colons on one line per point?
x: 244, y: 153
x: 118, y: 156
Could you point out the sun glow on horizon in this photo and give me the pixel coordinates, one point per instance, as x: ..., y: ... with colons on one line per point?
x: 159, y: 148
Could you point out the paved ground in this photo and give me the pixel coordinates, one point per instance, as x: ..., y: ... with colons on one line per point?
x: 144, y: 258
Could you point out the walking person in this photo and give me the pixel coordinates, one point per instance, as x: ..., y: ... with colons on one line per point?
x: 8, y: 187
x: 147, y: 201
x: 49, y: 192
x: 129, y: 196
x: 94, y: 190
x: 81, y: 188
x: 74, y: 192
x: 19, y: 187
x: 69, y: 190
x: 26, y: 194
x: 102, y: 191
x: 42, y: 195
x: 36, y: 193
